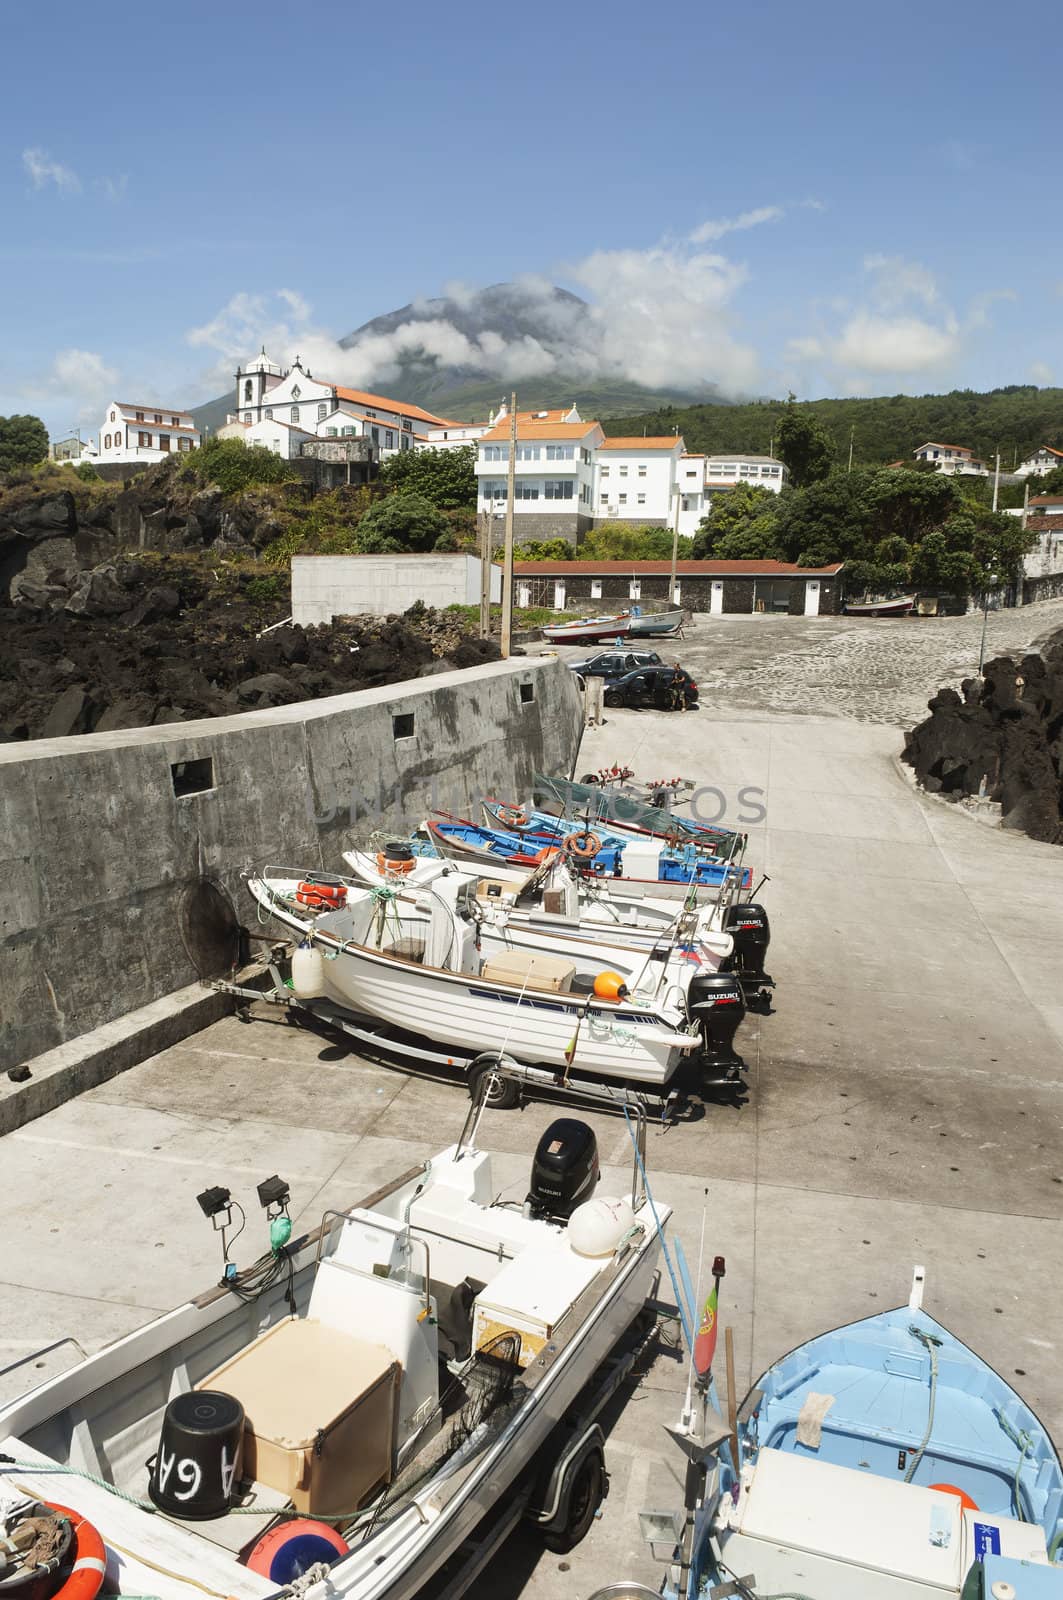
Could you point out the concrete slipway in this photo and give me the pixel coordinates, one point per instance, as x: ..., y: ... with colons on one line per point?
x: 905, y: 1105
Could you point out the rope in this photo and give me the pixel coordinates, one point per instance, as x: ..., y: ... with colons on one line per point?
x: 1023, y: 1442
x: 683, y: 1317
x: 931, y: 1344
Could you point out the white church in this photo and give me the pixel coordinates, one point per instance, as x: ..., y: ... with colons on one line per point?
x: 282, y: 410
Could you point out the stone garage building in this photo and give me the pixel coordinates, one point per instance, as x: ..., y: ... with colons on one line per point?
x: 718, y: 587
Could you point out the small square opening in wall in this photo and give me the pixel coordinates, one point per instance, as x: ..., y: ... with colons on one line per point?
x: 402, y: 725
x: 527, y: 693
x: 192, y: 777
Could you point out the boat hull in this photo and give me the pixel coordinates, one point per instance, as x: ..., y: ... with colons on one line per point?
x: 588, y: 631
x: 901, y: 606
x: 655, y: 625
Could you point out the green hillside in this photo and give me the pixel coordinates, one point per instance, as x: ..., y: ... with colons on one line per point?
x: 1012, y: 420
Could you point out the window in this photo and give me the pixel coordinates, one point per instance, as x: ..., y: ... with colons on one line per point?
x: 112, y: 416
x: 642, y: 472
x: 144, y: 440
x: 765, y: 472
x: 691, y: 472
x: 596, y: 588
x: 641, y: 499
x: 623, y: 472
x: 107, y: 442
x: 605, y: 472
x: 348, y: 432
x: 527, y: 693
x: 164, y: 441
x: 296, y: 391
x: 774, y: 471
x: 175, y: 422
x: 389, y: 440
x: 322, y: 411
x: 408, y: 426
x: 635, y: 589
x: 184, y: 444
x: 496, y: 452
x: 192, y: 777
x: 558, y: 489
x: 295, y: 413
x: 402, y: 725
x: 330, y: 433
x: 140, y: 416
x: 269, y: 413
x: 623, y: 499
x: 605, y: 499
x: 370, y: 413
x: 247, y: 416
x: 376, y: 435
x: 248, y: 391
x: 560, y: 452
x: 527, y: 452
x: 158, y: 416
x: 525, y: 490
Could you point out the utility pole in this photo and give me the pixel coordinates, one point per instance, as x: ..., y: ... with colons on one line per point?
x: 507, y: 562
x: 996, y: 482
x: 852, y: 436
x: 1025, y: 502
x: 675, y: 546
x: 486, y: 553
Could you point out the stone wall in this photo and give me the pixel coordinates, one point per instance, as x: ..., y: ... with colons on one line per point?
x: 103, y: 835
x: 1045, y: 588
x: 529, y: 525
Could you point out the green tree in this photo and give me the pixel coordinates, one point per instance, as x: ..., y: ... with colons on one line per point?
x: 232, y: 465
x: 827, y: 521
x: 401, y: 522
x: 445, y: 477
x: 741, y: 525
x: 625, y: 541
x: 23, y: 442
x: 905, y: 504
x: 540, y: 550
x: 804, y: 445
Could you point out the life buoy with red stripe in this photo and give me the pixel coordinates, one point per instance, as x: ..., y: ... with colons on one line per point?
x: 322, y: 894
x: 90, y: 1557
x: 582, y: 845
x: 386, y: 865
x: 513, y: 816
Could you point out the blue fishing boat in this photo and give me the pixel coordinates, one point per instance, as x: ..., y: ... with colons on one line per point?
x: 643, y: 861
x: 610, y: 830
x: 882, y: 1459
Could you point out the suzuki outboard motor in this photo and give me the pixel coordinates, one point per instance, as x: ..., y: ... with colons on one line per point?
x: 565, y: 1170
x: 715, y: 1003
x: 749, y: 928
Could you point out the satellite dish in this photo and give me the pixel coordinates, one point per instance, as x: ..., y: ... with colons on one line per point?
x: 210, y: 929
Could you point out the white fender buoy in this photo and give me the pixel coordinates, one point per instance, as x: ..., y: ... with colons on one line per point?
x: 597, y: 1226
x: 308, y: 972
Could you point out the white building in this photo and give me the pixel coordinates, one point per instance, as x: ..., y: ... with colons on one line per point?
x: 145, y: 433
x: 635, y: 479
x: 324, y: 587
x: 554, y: 472
x: 700, y: 478
x: 1044, y: 459
x: 452, y: 435
x: 73, y: 449
x: 951, y: 458
x: 283, y: 438
x: 331, y: 410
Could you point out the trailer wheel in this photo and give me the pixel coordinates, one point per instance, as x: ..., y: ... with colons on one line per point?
x: 582, y: 1492
x: 502, y: 1094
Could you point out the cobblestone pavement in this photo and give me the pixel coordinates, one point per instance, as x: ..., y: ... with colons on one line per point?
x: 871, y: 669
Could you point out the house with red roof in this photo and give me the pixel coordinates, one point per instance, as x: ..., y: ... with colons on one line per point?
x: 144, y: 433
x: 1044, y: 459
x: 951, y: 458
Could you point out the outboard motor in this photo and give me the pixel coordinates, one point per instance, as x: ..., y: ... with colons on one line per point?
x: 715, y: 1002
x: 749, y: 928
x: 200, y: 1455
x: 565, y: 1170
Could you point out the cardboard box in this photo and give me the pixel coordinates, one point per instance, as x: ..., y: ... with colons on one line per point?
x: 534, y: 969
x: 320, y: 1411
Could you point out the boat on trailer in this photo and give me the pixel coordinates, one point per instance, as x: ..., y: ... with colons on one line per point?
x: 881, y: 1459
x: 427, y: 961
x: 894, y: 605
x: 655, y: 624
x: 588, y: 630
x: 391, y: 1373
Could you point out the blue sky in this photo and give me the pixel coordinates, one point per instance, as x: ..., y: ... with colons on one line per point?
x: 837, y: 198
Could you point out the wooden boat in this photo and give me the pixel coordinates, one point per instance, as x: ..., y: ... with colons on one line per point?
x: 428, y: 962
x: 525, y: 821
x: 897, y: 605
x: 882, y: 1458
x: 337, y: 1340
x: 655, y: 624
x: 592, y: 803
x: 586, y: 630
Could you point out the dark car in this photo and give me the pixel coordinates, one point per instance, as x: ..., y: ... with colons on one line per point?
x: 615, y: 663
x: 651, y: 686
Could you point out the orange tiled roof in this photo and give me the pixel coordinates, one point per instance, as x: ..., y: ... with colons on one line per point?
x: 665, y: 441
x: 686, y: 569
x: 398, y: 407
x: 164, y: 411
x: 936, y: 444
x: 537, y: 430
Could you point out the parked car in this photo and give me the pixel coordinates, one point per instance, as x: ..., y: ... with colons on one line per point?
x: 615, y: 663
x: 651, y: 686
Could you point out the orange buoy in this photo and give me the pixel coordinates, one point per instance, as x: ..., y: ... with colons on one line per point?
x: 610, y: 986
x: 582, y: 845
x: 961, y: 1494
x: 90, y: 1558
x: 513, y: 816
x: 386, y: 864
x: 322, y: 894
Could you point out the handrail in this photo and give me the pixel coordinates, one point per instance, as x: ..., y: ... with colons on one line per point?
x: 45, y: 1350
x: 410, y: 1238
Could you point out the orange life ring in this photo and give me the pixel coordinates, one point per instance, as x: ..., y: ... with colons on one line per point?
x: 90, y: 1557
x: 322, y: 896
x: 385, y: 864
x: 582, y: 845
x: 513, y: 816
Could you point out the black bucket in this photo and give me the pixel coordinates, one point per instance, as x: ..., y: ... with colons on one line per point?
x: 200, y: 1455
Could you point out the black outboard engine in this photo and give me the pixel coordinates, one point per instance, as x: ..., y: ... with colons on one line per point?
x: 749, y: 928
x: 565, y: 1170
x: 716, y: 1004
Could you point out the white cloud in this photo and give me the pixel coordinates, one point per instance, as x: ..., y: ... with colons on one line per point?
x: 79, y: 383
x: 895, y: 344
x: 894, y: 281
x: 660, y: 316
x: 708, y: 232
x: 43, y: 170
x: 1042, y: 373
x: 113, y: 189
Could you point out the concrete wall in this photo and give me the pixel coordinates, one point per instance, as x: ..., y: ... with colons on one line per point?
x: 99, y: 851
x: 324, y: 587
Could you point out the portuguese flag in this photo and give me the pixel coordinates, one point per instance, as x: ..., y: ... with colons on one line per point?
x: 705, y: 1341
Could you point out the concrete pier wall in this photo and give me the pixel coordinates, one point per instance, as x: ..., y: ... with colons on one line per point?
x: 102, y: 836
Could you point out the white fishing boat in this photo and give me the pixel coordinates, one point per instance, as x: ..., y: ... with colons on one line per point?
x: 655, y: 624
x: 390, y: 1374
x: 585, y: 630
x: 556, y: 897
x: 427, y: 961
x: 894, y: 605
